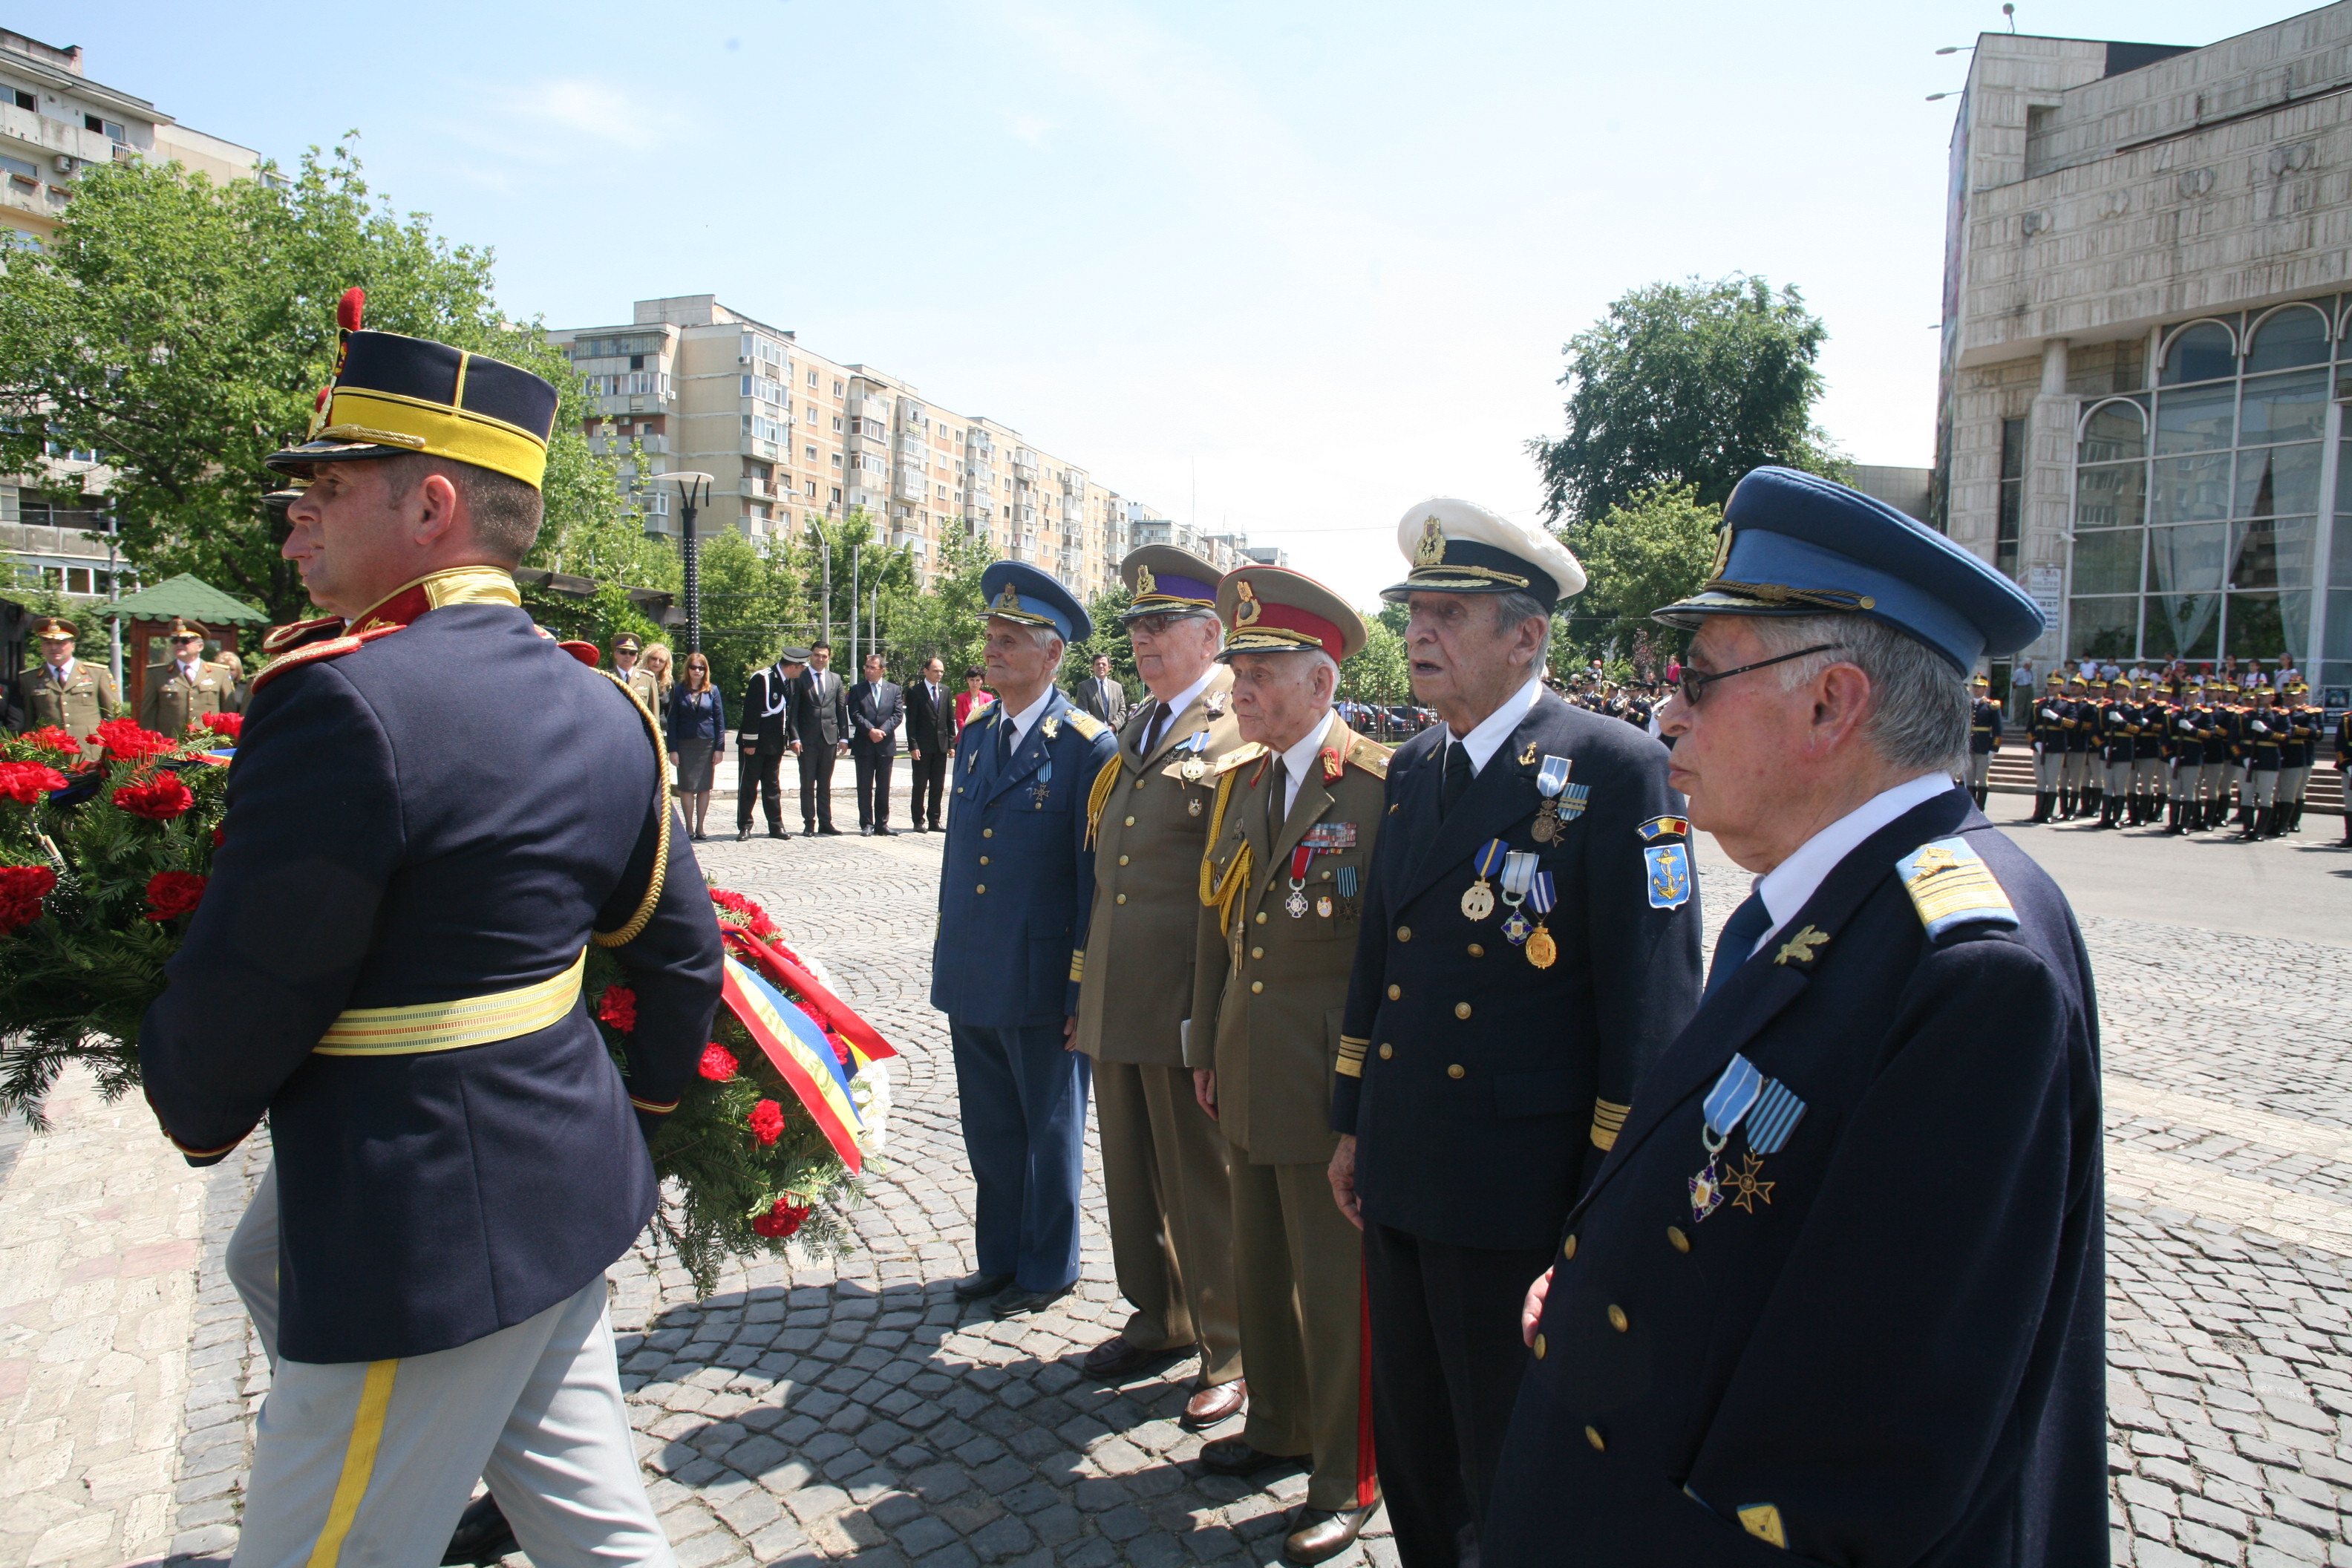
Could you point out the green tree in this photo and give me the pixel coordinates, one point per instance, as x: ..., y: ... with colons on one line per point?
x: 1109, y: 639
x: 1691, y: 382
x: 183, y: 329
x: 1652, y: 550
x: 1380, y: 673
x: 754, y: 601
x: 940, y: 619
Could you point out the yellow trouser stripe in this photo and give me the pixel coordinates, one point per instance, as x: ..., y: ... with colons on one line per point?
x: 358, y: 1462
x: 450, y: 1026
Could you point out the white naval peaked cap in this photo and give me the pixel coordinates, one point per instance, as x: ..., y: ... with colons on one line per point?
x: 1460, y: 547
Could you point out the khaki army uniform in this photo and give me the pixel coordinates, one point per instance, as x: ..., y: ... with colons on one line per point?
x: 76, y: 705
x: 173, y: 701
x: 645, y: 687
x: 1270, y: 987
x: 1163, y: 1162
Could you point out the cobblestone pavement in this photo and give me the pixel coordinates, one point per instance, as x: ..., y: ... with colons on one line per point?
x: 850, y: 1409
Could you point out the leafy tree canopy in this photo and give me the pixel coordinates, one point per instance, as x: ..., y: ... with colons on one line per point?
x: 183, y: 329
x: 1691, y: 383
x: 1651, y: 551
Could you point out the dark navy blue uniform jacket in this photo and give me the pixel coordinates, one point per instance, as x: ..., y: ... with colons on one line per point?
x: 1016, y: 888
x: 444, y: 813
x: 1492, y: 1154
x: 1897, y: 1347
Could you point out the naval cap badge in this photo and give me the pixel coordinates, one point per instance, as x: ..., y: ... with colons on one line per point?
x: 1431, y: 550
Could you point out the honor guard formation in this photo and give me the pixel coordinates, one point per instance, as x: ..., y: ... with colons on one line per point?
x: 1461, y: 1179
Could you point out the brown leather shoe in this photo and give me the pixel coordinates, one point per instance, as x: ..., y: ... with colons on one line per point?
x: 1234, y: 1456
x: 1318, y: 1533
x: 1116, y: 1359
x: 1217, y: 1402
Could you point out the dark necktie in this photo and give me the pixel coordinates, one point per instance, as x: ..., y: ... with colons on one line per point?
x: 1278, y: 779
x: 1457, y: 776
x: 1004, y: 745
x: 1748, y: 923
x: 1152, y: 733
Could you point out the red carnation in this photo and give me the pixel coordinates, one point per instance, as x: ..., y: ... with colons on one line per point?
x: 123, y: 737
x: 22, y: 889
x: 49, y: 737
x: 767, y: 1121
x: 24, y: 781
x: 749, y: 915
x: 225, y: 725
x: 718, y: 1063
x: 159, y: 800
x: 218, y: 837
x: 840, y: 1048
x: 618, y: 1009
x: 784, y: 1219
x: 171, y: 894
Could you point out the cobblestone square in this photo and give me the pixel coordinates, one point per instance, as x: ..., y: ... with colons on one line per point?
x: 851, y: 1409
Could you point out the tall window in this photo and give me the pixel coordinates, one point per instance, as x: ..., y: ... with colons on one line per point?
x: 2012, y: 495
x: 2196, y: 506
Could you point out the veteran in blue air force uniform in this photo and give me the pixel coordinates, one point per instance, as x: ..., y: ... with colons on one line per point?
x: 1016, y: 887
x: 1835, y: 1296
x: 1529, y: 943
x: 387, y: 965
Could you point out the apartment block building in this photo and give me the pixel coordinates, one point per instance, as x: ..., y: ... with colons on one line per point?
x: 793, y: 437
x: 2147, y: 341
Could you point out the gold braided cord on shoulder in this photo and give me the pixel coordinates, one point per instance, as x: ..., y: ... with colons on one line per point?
x: 628, y: 932
x: 1099, y: 797
x: 1218, y: 893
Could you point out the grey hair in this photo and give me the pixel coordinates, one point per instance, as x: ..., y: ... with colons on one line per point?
x: 1919, y: 704
x: 1041, y: 636
x: 1513, y: 607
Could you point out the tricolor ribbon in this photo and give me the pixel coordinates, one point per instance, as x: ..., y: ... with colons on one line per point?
x: 800, y: 1053
x: 866, y: 1042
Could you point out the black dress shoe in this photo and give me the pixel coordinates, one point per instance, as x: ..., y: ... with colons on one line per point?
x: 829, y: 831
x: 1234, y: 1456
x: 742, y: 834
x: 973, y: 1287
x: 777, y: 833
x: 882, y: 832
x: 1017, y: 1301
x: 482, y: 1536
x: 1318, y: 1533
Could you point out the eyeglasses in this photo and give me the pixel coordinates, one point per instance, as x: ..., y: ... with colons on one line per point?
x: 1691, y: 683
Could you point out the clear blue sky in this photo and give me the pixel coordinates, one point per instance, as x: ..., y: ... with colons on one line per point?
x: 1308, y: 263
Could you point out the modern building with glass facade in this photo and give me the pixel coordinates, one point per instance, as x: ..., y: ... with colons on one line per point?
x: 2147, y: 342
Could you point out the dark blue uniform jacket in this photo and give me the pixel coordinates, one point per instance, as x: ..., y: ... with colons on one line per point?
x: 444, y: 813
x: 1897, y: 1347
x: 1016, y: 888
x: 1478, y: 1123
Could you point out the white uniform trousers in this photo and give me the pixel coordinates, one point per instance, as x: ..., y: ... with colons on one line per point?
x: 2046, y: 763
x: 2210, y: 783
x: 1980, y: 768
x: 369, y: 1463
x: 2291, y: 783
x: 2147, y: 775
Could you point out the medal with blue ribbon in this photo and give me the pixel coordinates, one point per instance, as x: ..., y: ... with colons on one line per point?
x: 1045, y: 781
x: 1195, y: 766
x: 1552, y: 782
x: 1345, y: 878
x: 1519, y: 872
x: 1542, y: 952
x: 1478, y: 899
x: 1771, y: 1111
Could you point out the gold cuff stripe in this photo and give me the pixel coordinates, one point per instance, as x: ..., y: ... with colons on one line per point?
x: 1608, y: 1121
x: 627, y: 931
x: 358, y: 1462
x: 659, y: 1107
x: 1350, y: 1066
x: 1347, y: 1040
x: 447, y: 432
x: 427, y: 1026
x: 1078, y: 966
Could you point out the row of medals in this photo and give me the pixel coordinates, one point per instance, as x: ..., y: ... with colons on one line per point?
x: 1478, y: 903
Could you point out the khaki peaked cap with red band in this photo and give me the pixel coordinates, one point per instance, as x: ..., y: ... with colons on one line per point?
x: 395, y: 395
x: 1272, y: 609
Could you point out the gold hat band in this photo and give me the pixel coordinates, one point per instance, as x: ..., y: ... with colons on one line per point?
x: 442, y: 432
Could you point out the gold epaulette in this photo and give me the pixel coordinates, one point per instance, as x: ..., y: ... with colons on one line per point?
x: 1099, y: 797
x: 277, y: 640
x: 1233, y: 759
x: 1084, y: 722
x: 314, y: 653
x: 1370, y: 755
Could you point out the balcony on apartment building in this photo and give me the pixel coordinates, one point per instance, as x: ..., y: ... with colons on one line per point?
x: 909, y: 540
x: 1024, y: 463
x: 619, y: 445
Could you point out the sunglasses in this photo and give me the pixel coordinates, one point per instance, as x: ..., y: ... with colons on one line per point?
x: 1691, y: 683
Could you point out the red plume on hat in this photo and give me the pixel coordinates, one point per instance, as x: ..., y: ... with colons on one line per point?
x: 350, y: 308
x: 349, y: 311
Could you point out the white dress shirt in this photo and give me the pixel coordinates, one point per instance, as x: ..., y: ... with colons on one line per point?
x: 61, y: 673
x: 1298, y: 760
x: 1185, y: 698
x: 1497, y: 726
x: 1786, y: 887
x: 1028, y: 716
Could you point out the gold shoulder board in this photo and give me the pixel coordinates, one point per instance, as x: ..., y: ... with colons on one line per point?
x: 1084, y: 722
x: 1951, y: 886
x: 1370, y: 756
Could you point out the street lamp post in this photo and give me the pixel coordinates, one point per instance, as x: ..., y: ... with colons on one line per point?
x: 693, y: 494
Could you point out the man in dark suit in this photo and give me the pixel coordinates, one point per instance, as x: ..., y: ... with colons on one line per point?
x: 387, y: 965
x: 876, y: 708
x: 1836, y: 1294
x: 1102, y: 694
x: 764, y: 731
x: 931, y: 735
x: 820, y: 721
x: 1529, y: 943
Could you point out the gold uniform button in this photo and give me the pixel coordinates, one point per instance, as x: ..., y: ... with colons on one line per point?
x: 1567, y: 1248
x: 1122, y: 898
x: 1592, y: 1435
x: 1477, y: 951
x: 981, y: 889
x: 1462, y: 1009
x: 988, y: 833
x: 1261, y: 917
x: 1130, y: 822
x: 1257, y: 986
x: 1395, y: 991
x: 1387, y: 1051
x: 1122, y: 859
x: 1676, y: 1239
x: 1455, y: 1071
x: 1404, y: 933
x: 1539, y: 1347
x: 1617, y: 1318
x: 1139, y: 783
x: 1258, y: 952
x: 983, y: 859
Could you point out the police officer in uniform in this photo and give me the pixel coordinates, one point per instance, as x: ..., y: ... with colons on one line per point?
x: 1984, y: 737
x: 1164, y: 1168
x: 186, y: 685
x: 1529, y: 943
x: 63, y: 692
x: 1296, y: 822
x: 2045, y: 727
x: 1880, y: 1133
x: 387, y: 963
x: 764, y: 729
x: 1016, y: 894
x: 636, y: 676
